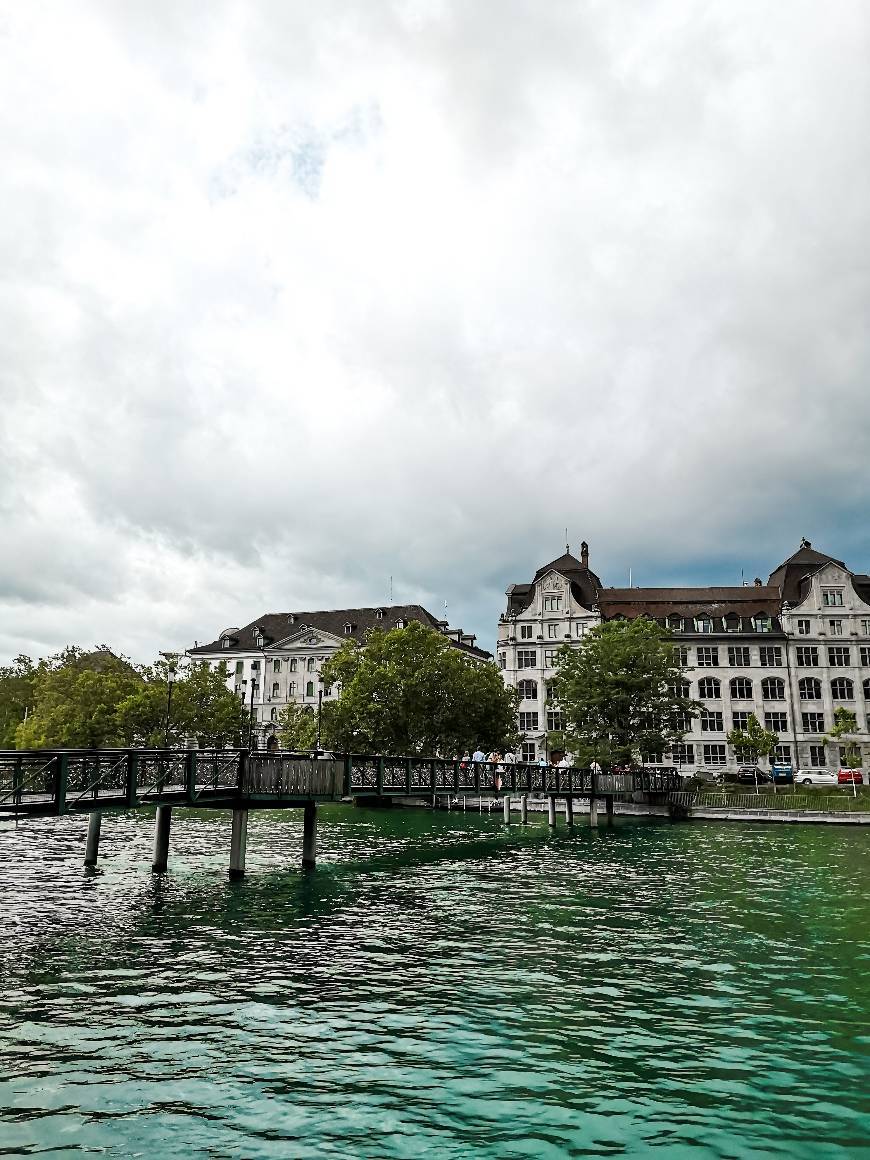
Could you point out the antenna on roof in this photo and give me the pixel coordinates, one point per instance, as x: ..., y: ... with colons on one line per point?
x: 391, y: 590
x: 567, y: 545
x: 742, y: 581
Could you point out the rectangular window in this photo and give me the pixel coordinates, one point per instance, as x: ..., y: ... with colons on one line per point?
x: 254, y: 714
x: 807, y: 657
x: 529, y: 751
x: 835, y: 627
x: 770, y: 656
x: 552, y: 603
x: 683, y: 753
x: 738, y: 657
x: 865, y: 627
x: 832, y: 597
x: 782, y: 754
x: 311, y: 664
x: 555, y: 722
x: 273, y: 715
x: 865, y: 656
x: 740, y: 717
x: 681, y: 656
x: 776, y: 722
x: 529, y: 721
x: 526, y: 658
x: 549, y: 657
x: 502, y: 660
x: 711, y: 721
x: 813, y: 722
x: 553, y: 630
x: 293, y: 664
x: 708, y: 657
x: 803, y: 628
x: 526, y: 631
x: 580, y: 628
x: 240, y: 668
x: 838, y: 656
x: 817, y: 755
x: 255, y: 666
x: 291, y: 689
x: 714, y: 754
x: 745, y: 756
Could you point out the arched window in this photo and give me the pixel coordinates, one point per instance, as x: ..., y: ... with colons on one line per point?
x: 741, y: 689
x: 225, y: 642
x: 675, y: 622
x: 731, y: 622
x: 681, y: 689
x: 703, y: 623
x: 810, y: 689
x: 842, y: 689
x: 309, y: 689
x: 275, y: 689
x: 773, y: 689
x: 709, y: 689
x: 528, y: 690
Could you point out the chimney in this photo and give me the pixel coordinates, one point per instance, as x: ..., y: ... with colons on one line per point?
x: 584, y: 554
x: 757, y: 581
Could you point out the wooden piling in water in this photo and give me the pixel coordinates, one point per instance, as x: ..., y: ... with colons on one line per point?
x: 524, y: 809
x: 238, y: 843
x: 551, y: 810
x: 92, y: 846
x: 507, y: 810
x: 309, y: 836
x: 161, y: 839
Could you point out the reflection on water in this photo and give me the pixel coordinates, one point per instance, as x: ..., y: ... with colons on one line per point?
x: 438, y: 987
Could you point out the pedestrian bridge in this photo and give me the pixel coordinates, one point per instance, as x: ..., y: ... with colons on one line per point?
x: 49, y: 783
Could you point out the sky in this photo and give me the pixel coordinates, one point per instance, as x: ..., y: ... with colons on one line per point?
x: 299, y: 302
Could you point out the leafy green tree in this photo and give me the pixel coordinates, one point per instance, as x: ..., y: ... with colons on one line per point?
x: 297, y: 727
x: 754, y: 739
x: 202, y: 707
x: 844, y: 729
x: 75, y: 699
x: 621, y: 693
x: 16, y: 697
x: 410, y: 691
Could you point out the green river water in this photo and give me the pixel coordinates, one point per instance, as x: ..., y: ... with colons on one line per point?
x: 439, y: 987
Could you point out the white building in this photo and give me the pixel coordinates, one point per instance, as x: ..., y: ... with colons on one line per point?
x: 278, y: 658
x: 791, y: 652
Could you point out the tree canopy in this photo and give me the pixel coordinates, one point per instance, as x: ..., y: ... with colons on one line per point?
x: 754, y: 740
x: 844, y: 729
x: 297, y: 727
x: 621, y: 692
x: 93, y: 700
x: 16, y: 697
x: 410, y: 691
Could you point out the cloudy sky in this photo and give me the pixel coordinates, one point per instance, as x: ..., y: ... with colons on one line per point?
x: 298, y: 297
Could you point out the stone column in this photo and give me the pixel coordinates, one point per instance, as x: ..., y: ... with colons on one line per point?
x: 524, y: 809
x: 309, y: 836
x: 92, y: 846
x: 593, y: 812
x: 238, y: 843
x: 161, y: 839
x: 507, y: 809
x: 569, y: 811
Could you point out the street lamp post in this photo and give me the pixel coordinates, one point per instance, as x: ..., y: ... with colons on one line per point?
x: 171, y: 659
x: 319, y: 711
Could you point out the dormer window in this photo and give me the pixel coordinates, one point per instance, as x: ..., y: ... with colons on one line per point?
x: 552, y: 603
x: 225, y: 642
x: 379, y: 614
x: 703, y: 623
x: 761, y: 622
x: 258, y: 640
x: 291, y: 619
x: 401, y: 624
x: 348, y: 629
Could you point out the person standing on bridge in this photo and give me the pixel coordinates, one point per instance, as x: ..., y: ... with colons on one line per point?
x: 478, y: 755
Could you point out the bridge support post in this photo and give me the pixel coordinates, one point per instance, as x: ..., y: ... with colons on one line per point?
x: 507, y: 809
x: 309, y: 836
x: 92, y: 846
x: 608, y: 805
x: 551, y: 810
x: 569, y: 810
x: 524, y: 809
x: 238, y: 843
x: 593, y: 812
x: 161, y: 839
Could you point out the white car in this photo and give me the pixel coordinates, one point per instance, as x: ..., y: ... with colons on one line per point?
x: 826, y: 777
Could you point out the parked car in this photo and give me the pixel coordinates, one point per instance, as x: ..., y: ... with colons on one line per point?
x: 782, y: 774
x: 824, y: 777
x: 850, y: 777
x: 749, y: 775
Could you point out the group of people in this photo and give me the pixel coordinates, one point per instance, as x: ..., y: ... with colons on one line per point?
x: 499, y: 760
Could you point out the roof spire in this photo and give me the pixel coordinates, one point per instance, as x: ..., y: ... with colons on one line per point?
x: 567, y: 545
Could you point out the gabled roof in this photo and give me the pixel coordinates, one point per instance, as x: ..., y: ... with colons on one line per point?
x: 584, y: 583
x: 277, y: 626
x: 791, y: 573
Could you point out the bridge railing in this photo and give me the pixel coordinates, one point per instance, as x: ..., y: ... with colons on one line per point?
x: 288, y: 775
x: 62, y: 780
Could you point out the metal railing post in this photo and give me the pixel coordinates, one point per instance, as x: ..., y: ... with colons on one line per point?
x: 62, y: 776
x: 456, y: 765
x: 408, y: 775
x: 348, y: 773
x: 131, y: 778
x: 17, y: 781
x: 190, y: 761
x: 380, y: 777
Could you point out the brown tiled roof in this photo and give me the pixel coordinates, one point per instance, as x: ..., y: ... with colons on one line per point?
x: 792, y: 573
x: 659, y: 603
x: 277, y: 626
x: 584, y: 583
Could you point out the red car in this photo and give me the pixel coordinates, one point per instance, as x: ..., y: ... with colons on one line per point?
x: 850, y: 777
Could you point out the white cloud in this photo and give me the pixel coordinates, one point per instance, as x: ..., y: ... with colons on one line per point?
x: 295, y: 299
